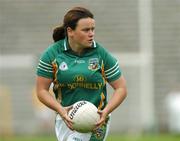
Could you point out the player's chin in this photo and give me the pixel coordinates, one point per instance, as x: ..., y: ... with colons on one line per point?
x: 89, y: 44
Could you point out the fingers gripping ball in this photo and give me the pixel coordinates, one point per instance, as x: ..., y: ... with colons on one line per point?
x: 84, y: 115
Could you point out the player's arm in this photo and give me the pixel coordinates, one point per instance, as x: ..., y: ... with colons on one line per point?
x: 120, y: 92
x: 42, y: 88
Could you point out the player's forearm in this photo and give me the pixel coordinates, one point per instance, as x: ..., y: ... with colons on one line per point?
x: 46, y: 98
x: 118, y: 96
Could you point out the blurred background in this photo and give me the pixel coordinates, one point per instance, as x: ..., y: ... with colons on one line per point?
x: 144, y: 35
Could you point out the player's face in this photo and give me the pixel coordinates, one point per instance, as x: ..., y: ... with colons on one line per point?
x: 83, y: 35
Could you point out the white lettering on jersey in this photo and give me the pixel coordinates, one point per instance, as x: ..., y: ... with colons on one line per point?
x: 79, y: 61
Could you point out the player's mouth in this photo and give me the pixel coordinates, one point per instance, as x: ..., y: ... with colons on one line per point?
x: 90, y: 41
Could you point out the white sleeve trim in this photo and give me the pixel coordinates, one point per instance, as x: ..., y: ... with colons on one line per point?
x: 45, y: 63
x: 107, y: 71
x: 112, y: 75
x: 44, y: 69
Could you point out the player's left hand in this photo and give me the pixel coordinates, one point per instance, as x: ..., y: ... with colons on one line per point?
x: 103, y: 115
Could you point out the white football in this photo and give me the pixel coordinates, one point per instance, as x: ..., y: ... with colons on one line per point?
x: 84, y: 115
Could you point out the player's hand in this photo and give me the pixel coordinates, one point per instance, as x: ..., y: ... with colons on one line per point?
x: 65, y: 117
x: 103, y: 114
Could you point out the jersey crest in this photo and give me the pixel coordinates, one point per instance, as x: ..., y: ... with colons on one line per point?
x: 93, y: 64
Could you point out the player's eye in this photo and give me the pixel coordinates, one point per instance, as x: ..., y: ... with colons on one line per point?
x: 86, y: 29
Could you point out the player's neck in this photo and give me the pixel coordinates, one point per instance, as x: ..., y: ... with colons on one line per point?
x: 76, y: 48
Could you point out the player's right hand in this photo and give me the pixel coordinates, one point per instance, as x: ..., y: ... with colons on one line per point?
x: 65, y: 117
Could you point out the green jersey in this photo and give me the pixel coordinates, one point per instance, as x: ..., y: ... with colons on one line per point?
x: 79, y: 77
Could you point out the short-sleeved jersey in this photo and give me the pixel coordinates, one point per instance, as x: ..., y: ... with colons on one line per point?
x: 79, y: 77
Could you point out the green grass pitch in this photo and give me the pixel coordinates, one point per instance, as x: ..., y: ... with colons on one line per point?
x: 164, y: 137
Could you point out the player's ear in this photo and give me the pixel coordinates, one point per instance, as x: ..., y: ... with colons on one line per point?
x: 69, y: 31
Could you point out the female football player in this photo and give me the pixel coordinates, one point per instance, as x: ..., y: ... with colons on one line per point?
x: 79, y: 68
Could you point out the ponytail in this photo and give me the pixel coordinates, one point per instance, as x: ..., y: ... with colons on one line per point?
x: 58, y: 33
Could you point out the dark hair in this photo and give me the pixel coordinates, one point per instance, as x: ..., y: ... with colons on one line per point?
x: 70, y: 20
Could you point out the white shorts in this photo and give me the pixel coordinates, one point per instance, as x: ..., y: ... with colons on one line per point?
x: 63, y: 133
